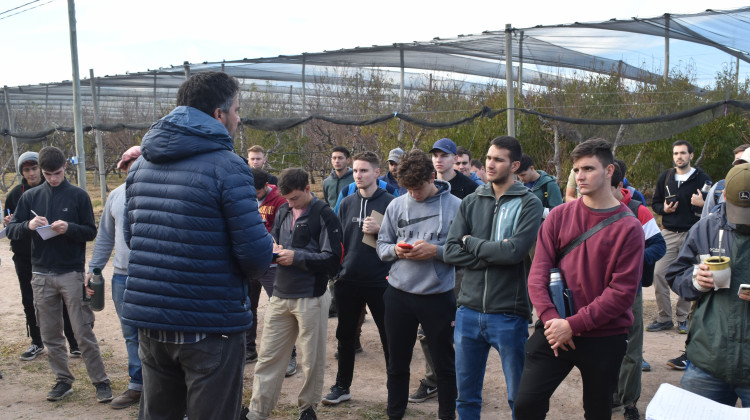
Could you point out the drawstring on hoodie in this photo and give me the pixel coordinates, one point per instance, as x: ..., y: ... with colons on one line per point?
x: 362, y: 210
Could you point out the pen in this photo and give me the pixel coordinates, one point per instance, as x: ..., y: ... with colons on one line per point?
x: 8, y: 212
x: 34, y: 213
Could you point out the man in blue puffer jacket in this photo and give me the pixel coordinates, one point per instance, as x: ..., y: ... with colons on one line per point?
x: 195, y: 236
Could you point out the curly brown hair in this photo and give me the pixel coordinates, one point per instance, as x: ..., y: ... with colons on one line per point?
x: 414, y: 169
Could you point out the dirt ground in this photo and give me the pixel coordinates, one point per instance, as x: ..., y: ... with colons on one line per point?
x: 25, y: 384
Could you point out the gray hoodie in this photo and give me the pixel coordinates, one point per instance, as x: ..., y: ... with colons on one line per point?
x: 407, y: 220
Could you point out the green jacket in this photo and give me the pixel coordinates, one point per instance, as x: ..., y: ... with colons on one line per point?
x: 719, y: 337
x: 502, y: 232
x: 547, y: 184
x: 333, y: 185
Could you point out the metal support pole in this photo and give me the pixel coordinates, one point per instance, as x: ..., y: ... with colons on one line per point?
x: 77, y: 114
x: 401, y: 99
x: 509, y: 80
x: 153, y: 112
x: 737, y: 77
x: 12, y: 126
x: 98, y: 137
x: 304, y: 99
x: 520, y: 65
x: 666, y: 47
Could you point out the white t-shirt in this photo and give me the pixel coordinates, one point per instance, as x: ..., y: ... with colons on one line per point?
x: 684, y: 177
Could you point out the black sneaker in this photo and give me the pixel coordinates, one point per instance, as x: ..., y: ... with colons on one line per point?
x: 103, y: 392
x: 308, y: 414
x: 291, y: 368
x: 659, y: 326
x: 423, y: 393
x: 631, y: 413
x: 59, y: 391
x: 337, y: 395
x: 32, y: 352
x: 75, y: 353
x: 251, y: 356
x: 679, y: 363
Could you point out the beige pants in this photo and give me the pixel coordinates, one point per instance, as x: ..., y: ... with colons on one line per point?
x: 662, y: 291
x: 50, y: 290
x: 304, y: 320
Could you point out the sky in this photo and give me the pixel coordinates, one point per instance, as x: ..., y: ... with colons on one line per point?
x: 116, y: 37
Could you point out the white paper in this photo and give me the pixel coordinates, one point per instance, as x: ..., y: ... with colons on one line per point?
x: 46, y: 232
x: 673, y: 403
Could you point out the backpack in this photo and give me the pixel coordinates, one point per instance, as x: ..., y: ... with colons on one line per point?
x: 647, y: 279
x: 303, y: 233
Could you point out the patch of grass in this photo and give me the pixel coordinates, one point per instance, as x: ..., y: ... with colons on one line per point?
x: 373, y: 412
x: 285, y: 410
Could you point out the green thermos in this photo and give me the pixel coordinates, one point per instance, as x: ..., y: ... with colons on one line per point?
x: 96, y: 301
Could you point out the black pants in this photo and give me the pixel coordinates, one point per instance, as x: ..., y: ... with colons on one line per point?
x: 202, y: 380
x: 403, y: 313
x: 598, y: 359
x: 351, y: 301
x: 23, y: 271
x: 253, y: 292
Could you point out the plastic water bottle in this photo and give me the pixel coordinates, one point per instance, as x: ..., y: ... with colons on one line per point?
x: 97, y: 285
x: 556, y: 291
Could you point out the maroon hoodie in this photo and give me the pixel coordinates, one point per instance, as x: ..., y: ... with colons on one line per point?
x: 603, y: 272
x: 270, y: 206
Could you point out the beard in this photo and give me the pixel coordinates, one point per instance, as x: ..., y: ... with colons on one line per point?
x: 501, y: 178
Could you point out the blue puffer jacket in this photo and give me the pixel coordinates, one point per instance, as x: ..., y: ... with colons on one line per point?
x: 194, y: 229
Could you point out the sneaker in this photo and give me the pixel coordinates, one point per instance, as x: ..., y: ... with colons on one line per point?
x: 32, y: 352
x: 103, y: 392
x: 308, y: 414
x: 423, y: 393
x: 645, y: 367
x: 337, y: 395
x: 682, y: 327
x: 679, y: 363
x: 659, y: 326
x: 291, y: 369
x: 59, y: 391
x: 631, y: 413
x: 251, y: 356
x: 126, y: 399
x: 75, y: 353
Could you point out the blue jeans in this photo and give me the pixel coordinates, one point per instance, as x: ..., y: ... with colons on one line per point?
x: 703, y: 383
x: 475, y: 333
x: 130, y: 334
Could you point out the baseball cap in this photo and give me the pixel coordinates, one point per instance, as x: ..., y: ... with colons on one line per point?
x: 130, y: 155
x: 737, y: 192
x: 446, y: 145
x: 395, y: 154
x: 744, y: 158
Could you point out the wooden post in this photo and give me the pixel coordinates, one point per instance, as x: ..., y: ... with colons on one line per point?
x: 509, y: 80
x: 77, y: 114
x: 401, y: 129
x: 98, y: 136
x: 12, y: 126
x: 186, y: 67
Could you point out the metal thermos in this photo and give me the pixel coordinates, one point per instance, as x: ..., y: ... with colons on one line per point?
x: 556, y: 291
x: 96, y: 301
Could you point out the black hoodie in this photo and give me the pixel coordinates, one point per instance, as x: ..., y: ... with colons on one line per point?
x: 361, y: 265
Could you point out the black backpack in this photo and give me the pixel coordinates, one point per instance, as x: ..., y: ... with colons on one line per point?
x: 303, y: 234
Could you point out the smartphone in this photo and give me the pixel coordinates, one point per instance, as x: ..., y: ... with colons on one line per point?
x: 744, y: 289
x: 274, y: 256
x: 405, y: 245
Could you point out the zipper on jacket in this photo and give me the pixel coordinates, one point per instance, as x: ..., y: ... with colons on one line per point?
x: 486, y: 270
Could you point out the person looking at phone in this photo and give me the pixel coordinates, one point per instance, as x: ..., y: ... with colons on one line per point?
x: 678, y: 199
x: 420, y: 283
x: 718, y: 344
